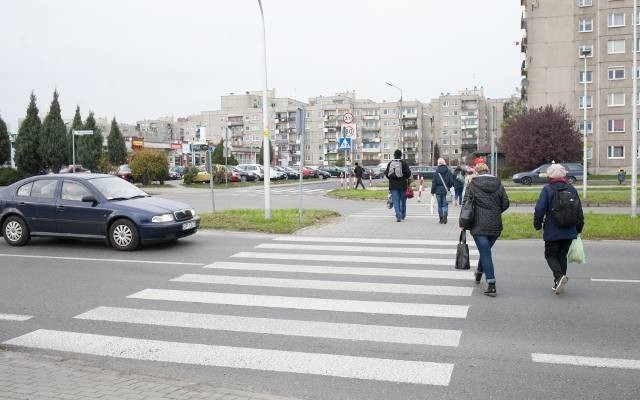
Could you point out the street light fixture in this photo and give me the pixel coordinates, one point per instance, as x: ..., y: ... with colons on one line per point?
x: 400, y: 139
x: 266, y: 157
x: 73, y: 146
x: 586, y: 52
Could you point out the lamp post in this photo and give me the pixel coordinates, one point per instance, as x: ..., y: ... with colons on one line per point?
x: 400, y: 139
x: 634, y: 122
x: 585, y: 53
x: 73, y: 146
x: 266, y: 157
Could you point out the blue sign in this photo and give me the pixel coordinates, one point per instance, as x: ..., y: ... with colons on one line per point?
x: 344, y: 143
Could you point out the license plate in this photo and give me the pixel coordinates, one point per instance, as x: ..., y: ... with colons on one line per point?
x: 188, y: 225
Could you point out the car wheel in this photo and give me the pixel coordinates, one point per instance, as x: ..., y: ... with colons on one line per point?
x: 123, y: 235
x: 526, y: 181
x: 571, y: 179
x: 15, y: 231
x: 243, y: 178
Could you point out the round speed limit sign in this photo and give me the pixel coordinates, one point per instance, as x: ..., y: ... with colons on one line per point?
x: 348, y: 130
x: 347, y: 118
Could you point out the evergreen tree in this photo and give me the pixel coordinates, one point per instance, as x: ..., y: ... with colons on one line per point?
x: 117, y: 150
x: 27, y: 142
x: 76, y: 125
x: 218, y: 155
x: 89, y: 147
x: 53, y: 143
x: 261, y: 154
x: 436, y: 153
x: 5, y: 144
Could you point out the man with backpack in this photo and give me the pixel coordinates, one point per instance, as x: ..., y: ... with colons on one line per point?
x: 399, y: 175
x: 359, y: 171
x: 559, y: 213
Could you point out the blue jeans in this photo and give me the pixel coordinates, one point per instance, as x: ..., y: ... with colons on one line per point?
x: 485, y: 264
x: 399, y: 199
x: 458, y: 192
x: 443, y: 206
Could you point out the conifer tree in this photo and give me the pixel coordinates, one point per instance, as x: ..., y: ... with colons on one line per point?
x: 117, y: 150
x: 89, y: 147
x: 53, y: 143
x: 76, y: 125
x: 5, y: 144
x: 28, y: 141
x: 261, y: 154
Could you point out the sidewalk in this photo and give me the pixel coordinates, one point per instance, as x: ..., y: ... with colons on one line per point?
x: 32, y: 376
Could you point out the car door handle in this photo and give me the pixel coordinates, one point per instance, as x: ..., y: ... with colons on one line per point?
x: 60, y: 207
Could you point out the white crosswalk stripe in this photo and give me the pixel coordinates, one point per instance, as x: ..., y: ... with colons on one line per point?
x: 401, y: 286
x: 15, y: 317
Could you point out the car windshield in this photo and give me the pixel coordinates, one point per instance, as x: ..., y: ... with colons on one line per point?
x: 114, y: 188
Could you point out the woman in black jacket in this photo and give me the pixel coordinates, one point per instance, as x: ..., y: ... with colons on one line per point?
x: 440, y: 185
x: 490, y: 201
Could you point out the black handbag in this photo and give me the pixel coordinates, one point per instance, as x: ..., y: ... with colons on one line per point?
x: 467, y: 213
x: 462, y: 253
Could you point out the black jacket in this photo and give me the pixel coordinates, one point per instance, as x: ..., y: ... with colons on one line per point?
x: 399, y: 183
x: 490, y: 201
x: 436, y: 183
x: 552, y: 232
x: 358, y: 171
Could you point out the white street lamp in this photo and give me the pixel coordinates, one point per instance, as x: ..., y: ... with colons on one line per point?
x: 585, y: 53
x: 400, y: 139
x: 73, y: 146
x: 266, y: 157
x: 634, y: 122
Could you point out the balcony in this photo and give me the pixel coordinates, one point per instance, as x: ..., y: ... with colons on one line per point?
x: 410, y: 124
x: 370, y: 128
x: 371, y: 149
x: 523, y: 45
x: 523, y: 21
x: 371, y: 117
x: 235, y: 121
x: 523, y: 68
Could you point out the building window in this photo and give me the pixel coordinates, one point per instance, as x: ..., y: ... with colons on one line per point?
x: 585, y: 25
x: 589, y: 153
x: 589, y: 77
x: 615, y: 46
x: 615, y: 151
x: 445, y: 103
x: 589, y: 127
x: 615, y: 20
x: 387, y: 157
x: 616, y: 99
x: 615, y: 125
x: 615, y: 73
x: 589, y: 102
x: 588, y: 48
x: 585, y: 3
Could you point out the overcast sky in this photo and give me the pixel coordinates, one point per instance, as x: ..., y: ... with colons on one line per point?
x: 142, y: 59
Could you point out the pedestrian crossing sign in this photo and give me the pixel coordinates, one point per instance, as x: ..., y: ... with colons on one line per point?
x: 344, y: 143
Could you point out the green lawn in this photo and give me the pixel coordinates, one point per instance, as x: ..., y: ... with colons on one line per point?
x: 596, y: 226
x: 282, y: 220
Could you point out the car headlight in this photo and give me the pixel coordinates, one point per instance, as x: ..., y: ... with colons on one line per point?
x: 162, y: 218
x: 193, y: 212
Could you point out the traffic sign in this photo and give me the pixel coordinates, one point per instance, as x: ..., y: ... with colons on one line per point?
x: 82, y: 133
x: 344, y: 143
x: 347, y: 118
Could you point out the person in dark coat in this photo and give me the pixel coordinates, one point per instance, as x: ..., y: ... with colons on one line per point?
x: 557, y: 240
x: 398, y: 186
x: 458, y: 184
x: 440, y: 185
x: 359, y: 171
x: 490, y: 201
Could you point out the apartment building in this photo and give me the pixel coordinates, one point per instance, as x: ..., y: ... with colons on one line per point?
x: 570, y: 45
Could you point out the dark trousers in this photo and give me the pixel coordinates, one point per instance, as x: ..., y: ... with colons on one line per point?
x: 359, y: 182
x: 556, y: 254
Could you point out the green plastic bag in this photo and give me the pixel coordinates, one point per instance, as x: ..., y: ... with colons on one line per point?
x: 576, y: 252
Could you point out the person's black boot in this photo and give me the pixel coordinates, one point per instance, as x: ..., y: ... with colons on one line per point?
x: 440, y: 221
x: 444, y: 219
x: 491, y: 290
x: 478, y: 276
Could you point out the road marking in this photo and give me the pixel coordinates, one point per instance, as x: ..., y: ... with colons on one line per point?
x: 321, y: 269
x: 361, y: 249
x: 326, y: 330
x: 15, y: 317
x: 405, y: 242
x: 390, y: 216
x: 343, y: 258
x: 327, y: 285
x: 305, y: 303
x: 616, y: 280
x: 401, y: 371
x: 585, y: 361
x: 102, y: 260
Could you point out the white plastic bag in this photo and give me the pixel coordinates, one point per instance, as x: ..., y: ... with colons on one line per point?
x: 576, y: 252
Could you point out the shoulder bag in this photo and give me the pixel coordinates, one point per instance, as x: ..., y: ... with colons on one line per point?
x: 467, y: 212
x: 462, y: 252
x: 409, y: 190
x: 449, y: 197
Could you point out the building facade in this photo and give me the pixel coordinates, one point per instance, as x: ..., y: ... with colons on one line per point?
x: 570, y: 46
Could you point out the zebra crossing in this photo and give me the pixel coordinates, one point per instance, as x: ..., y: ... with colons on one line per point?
x: 369, y: 292
x: 415, y: 210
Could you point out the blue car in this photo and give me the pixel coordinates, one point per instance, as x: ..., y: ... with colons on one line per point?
x: 91, y: 206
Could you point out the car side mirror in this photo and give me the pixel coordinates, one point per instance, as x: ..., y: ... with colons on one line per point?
x: 89, y: 199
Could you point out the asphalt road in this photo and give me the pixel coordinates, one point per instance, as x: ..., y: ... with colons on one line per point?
x: 56, y: 281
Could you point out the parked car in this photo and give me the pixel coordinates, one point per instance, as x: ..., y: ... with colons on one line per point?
x: 318, y: 173
x: 91, y: 206
x: 238, y: 175
x: 255, y: 169
x: 539, y: 175
x: 376, y: 172
x: 332, y: 170
x: 74, y: 169
x: 176, y: 172
x: 124, y: 172
x: 288, y: 172
x: 425, y: 171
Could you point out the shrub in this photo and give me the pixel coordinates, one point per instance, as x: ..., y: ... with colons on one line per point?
x: 149, y: 165
x: 189, y: 174
x: 9, y: 176
x: 507, y: 172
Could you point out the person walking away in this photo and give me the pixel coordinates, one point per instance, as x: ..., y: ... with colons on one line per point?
x: 490, y: 201
x: 621, y: 175
x: 440, y: 185
x: 561, y: 222
x: 399, y: 176
x: 359, y: 171
x: 458, y: 184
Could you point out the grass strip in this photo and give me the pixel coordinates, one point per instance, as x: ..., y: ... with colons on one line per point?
x: 596, y: 227
x: 282, y: 220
